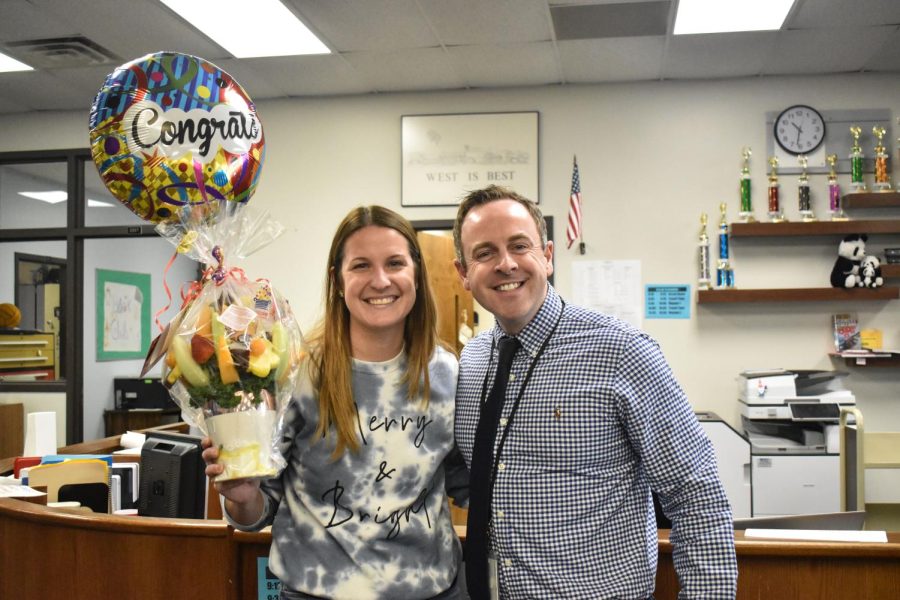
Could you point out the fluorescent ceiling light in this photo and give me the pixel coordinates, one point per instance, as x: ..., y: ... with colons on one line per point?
x: 718, y: 16
x: 53, y: 197
x: 248, y: 29
x: 8, y: 64
x: 57, y: 196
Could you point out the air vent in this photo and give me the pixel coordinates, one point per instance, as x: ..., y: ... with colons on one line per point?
x: 61, y: 53
x: 623, y: 19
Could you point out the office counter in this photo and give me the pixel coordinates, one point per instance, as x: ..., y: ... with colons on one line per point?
x: 801, y: 570
x: 52, y: 554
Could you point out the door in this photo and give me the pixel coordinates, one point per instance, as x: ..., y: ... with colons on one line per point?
x: 454, y: 302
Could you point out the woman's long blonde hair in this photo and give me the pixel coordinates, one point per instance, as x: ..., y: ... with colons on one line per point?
x: 329, y: 341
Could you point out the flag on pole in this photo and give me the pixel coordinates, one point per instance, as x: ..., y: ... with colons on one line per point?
x: 573, y: 229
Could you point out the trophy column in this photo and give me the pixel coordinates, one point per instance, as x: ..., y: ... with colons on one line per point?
x: 803, y: 195
x: 856, y: 162
x: 746, y: 213
x: 703, y: 281
x: 834, y: 191
x: 882, y: 180
x: 775, y: 213
x: 724, y: 274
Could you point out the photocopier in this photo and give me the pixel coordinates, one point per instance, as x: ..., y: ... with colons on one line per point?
x: 791, y: 419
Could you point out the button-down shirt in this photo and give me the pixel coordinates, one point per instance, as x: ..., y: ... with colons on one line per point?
x: 600, y: 423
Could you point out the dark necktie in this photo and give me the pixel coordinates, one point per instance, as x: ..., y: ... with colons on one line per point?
x: 480, y: 485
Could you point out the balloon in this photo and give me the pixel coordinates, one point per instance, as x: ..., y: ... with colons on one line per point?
x: 174, y: 136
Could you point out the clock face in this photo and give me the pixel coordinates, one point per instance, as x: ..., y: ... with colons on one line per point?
x: 799, y: 129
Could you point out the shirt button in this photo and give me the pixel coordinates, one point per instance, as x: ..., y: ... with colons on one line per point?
x: 512, y: 377
x: 534, y: 355
x: 501, y: 467
x: 503, y: 421
x: 500, y: 514
x: 507, y: 562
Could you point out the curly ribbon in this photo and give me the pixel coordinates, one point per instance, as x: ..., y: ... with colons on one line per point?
x: 168, y: 292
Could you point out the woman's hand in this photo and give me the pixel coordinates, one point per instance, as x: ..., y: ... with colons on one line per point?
x: 243, y: 498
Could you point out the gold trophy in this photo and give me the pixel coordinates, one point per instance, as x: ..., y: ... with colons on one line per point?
x: 805, y: 200
x: 703, y: 282
x: 776, y: 214
x: 856, y: 162
x: 746, y: 213
x: 882, y: 180
x: 834, y: 191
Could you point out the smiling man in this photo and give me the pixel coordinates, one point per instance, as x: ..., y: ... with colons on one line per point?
x: 565, y: 450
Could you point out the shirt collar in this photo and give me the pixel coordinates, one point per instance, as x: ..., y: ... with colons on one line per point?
x: 533, y: 335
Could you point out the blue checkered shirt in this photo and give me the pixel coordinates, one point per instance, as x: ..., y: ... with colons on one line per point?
x: 601, y: 422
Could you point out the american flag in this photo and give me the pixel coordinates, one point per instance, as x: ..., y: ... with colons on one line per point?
x: 573, y: 229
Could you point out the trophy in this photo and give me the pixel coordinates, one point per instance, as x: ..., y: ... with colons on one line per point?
x: 746, y: 213
x: 882, y: 181
x: 724, y: 274
x: 775, y: 213
x: 834, y: 191
x: 703, y: 242
x: 856, y: 162
x: 805, y: 201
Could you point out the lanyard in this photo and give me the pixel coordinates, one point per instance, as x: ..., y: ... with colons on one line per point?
x: 515, y: 408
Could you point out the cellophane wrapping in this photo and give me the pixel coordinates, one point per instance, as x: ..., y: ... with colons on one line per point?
x: 233, y: 352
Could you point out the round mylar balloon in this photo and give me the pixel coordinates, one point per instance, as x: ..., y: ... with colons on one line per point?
x: 173, y: 136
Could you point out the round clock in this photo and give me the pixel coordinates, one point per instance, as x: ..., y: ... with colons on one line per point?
x: 799, y: 129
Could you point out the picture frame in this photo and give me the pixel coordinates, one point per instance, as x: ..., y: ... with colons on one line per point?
x: 123, y: 314
x: 445, y: 156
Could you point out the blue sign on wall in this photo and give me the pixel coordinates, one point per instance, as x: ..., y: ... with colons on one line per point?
x: 667, y: 301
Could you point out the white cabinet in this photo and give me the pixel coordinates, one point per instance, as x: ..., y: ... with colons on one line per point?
x: 733, y: 457
x: 795, y: 485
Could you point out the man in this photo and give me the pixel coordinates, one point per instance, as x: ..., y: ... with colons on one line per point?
x: 592, y: 420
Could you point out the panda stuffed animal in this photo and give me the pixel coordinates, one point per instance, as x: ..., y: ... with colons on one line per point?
x: 870, y: 272
x: 845, y: 273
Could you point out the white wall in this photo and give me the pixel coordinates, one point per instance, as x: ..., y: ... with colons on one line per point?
x: 652, y: 156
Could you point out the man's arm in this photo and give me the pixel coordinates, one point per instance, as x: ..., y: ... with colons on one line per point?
x: 680, y: 465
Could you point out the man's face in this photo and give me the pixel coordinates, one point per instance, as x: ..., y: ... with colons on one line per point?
x: 506, y: 269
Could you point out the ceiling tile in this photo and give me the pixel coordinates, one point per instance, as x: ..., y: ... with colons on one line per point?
x: 717, y: 55
x: 463, y: 22
x: 45, y: 91
x: 802, y: 51
x: 320, y: 75
x: 839, y: 14
x: 507, y: 65
x: 406, y: 70
x: 367, y: 24
x: 887, y: 57
x: 620, y: 59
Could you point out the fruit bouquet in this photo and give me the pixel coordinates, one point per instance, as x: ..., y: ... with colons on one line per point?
x: 232, y: 354
x: 178, y: 142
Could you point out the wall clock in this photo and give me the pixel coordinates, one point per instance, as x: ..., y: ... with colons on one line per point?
x: 799, y: 129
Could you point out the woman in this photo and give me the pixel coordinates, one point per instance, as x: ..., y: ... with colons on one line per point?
x: 361, y: 509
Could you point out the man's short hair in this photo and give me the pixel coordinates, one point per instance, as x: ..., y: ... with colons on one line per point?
x: 492, y: 193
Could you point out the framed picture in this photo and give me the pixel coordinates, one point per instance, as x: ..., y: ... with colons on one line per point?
x: 123, y: 315
x: 446, y: 156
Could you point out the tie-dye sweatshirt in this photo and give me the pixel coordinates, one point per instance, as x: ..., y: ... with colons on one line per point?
x: 375, y: 523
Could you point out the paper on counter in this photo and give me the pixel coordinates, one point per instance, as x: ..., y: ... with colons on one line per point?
x: 818, y: 535
x: 8, y: 490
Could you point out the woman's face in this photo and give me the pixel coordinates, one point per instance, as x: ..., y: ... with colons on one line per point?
x: 379, y: 280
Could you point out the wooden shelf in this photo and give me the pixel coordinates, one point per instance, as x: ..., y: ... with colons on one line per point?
x: 871, y: 361
x: 890, y: 270
x: 796, y: 295
x: 871, y: 200
x: 798, y: 228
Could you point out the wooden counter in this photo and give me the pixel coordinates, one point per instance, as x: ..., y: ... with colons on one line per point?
x: 801, y: 570
x: 51, y: 554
